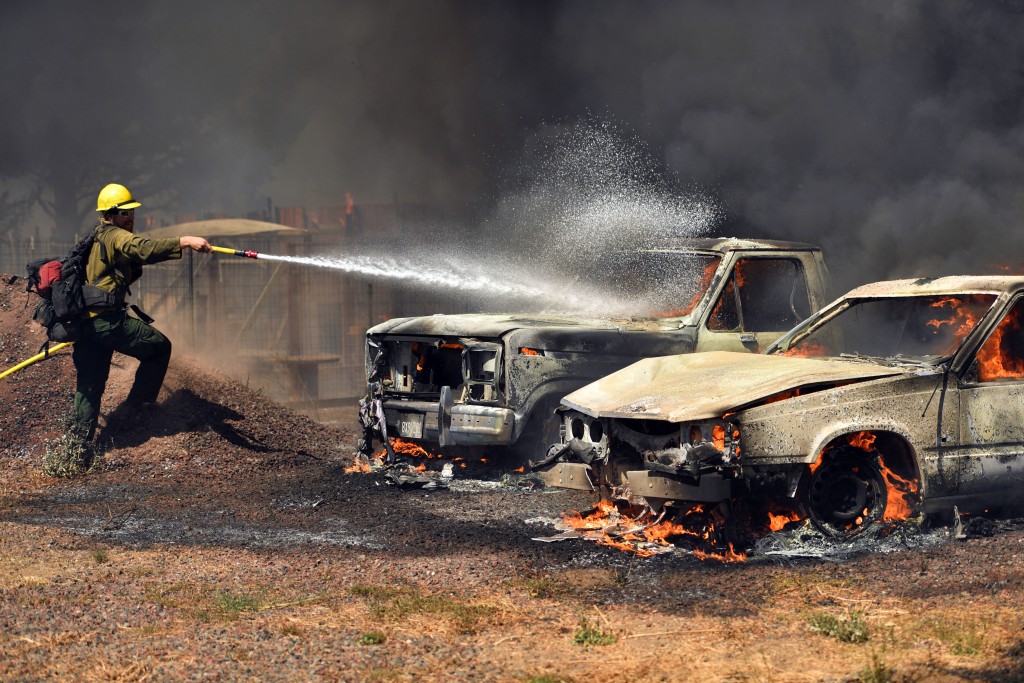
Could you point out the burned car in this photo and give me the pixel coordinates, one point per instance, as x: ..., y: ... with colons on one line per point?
x: 490, y: 382
x: 899, y: 398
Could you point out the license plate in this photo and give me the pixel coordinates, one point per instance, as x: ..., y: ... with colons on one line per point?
x: 410, y: 425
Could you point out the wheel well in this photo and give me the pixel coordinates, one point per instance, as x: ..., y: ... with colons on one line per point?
x: 855, y: 473
x: 897, y: 454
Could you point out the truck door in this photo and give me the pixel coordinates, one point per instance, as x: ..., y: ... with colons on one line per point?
x: 762, y: 299
x: 992, y: 415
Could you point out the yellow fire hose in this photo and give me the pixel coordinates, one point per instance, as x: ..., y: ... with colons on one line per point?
x: 57, y: 347
x: 34, y: 359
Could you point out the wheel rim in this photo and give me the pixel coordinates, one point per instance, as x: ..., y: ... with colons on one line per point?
x: 847, y: 494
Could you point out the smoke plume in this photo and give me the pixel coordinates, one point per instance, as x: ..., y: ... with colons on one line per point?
x: 891, y: 133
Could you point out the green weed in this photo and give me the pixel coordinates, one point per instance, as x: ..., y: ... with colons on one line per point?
x: 372, y: 638
x: 229, y: 605
x: 877, y: 671
x: 204, y: 604
x: 66, y: 456
x: 590, y: 634
x: 846, y: 629
x: 396, y: 604
x: 544, y: 587
x: 99, y: 555
x: 963, y: 637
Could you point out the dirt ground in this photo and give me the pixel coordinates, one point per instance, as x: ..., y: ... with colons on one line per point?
x: 220, y: 538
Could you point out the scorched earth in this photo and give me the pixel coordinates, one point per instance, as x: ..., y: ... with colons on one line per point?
x: 220, y: 538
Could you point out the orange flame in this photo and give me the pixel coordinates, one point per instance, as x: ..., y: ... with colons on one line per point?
x: 718, y: 437
x: 661, y: 531
x: 741, y: 276
x: 960, y: 316
x: 360, y: 465
x: 862, y: 440
x: 902, y: 495
x: 995, y: 361
x: 777, y: 522
x: 792, y: 393
x: 628, y: 529
x: 528, y: 352
x: 806, y: 350
x: 728, y: 556
x: 406, y: 448
x: 595, y: 520
x: 705, y: 280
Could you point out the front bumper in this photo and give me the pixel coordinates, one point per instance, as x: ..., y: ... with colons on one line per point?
x: 451, y: 425
x: 651, y: 484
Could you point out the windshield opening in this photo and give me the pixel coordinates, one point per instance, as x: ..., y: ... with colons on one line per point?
x: 909, y: 327
x: 658, y: 284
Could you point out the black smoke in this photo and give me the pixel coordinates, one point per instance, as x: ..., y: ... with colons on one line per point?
x: 889, y: 132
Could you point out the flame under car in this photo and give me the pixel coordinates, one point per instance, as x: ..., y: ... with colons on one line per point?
x: 898, y: 399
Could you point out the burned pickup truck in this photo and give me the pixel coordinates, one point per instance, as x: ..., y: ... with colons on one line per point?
x: 899, y: 398
x: 493, y: 381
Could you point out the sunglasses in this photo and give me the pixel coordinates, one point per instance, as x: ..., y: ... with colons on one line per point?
x: 125, y: 212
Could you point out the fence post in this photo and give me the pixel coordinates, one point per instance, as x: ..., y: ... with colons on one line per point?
x: 191, y: 304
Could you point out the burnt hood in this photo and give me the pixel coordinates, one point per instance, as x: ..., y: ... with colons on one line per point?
x: 482, y: 325
x: 703, y: 386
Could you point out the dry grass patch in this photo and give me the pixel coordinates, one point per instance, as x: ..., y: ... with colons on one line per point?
x: 568, y: 584
x: 127, y: 673
x: 205, y: 603
x: 963, y: 636
x: 392, y: 604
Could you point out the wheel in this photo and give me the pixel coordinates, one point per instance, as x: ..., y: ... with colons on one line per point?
x: 846, y: 494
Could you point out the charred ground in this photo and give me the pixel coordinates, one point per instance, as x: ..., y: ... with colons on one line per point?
x: 220, y: 537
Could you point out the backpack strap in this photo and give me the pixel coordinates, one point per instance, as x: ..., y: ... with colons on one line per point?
x: 104, y: 256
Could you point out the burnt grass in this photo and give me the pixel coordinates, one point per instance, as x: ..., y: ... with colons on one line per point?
x: 219, y: 538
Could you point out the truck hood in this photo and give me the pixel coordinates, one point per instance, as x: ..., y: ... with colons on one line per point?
x: 703, y: 386
x: 481, y: 325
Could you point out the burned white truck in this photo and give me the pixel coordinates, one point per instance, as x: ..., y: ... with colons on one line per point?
x: 899, y: 398
x: 492, y: 382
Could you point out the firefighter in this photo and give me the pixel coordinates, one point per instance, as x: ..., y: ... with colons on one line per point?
x: 115, y: 262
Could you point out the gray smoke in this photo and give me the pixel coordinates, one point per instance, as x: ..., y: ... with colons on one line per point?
x: 889, y: 132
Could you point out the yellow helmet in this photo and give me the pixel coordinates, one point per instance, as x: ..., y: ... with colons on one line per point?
x: 115, y: 196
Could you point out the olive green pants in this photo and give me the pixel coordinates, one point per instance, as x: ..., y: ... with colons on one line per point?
x: 100, y: 338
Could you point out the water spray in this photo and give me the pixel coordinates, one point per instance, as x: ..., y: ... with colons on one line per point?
x: 450, y: 277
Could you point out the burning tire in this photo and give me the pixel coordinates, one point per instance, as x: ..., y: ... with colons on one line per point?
x: 846, y: 494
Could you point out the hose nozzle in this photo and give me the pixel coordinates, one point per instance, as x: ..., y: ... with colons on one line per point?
x: 235, y: 252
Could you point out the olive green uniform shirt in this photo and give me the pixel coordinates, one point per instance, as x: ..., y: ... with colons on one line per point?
x: 127, y: 253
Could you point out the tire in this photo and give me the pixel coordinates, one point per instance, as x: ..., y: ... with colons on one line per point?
x: 846, y: 495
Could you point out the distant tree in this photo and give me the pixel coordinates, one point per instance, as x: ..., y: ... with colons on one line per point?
x: 161, y: 99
